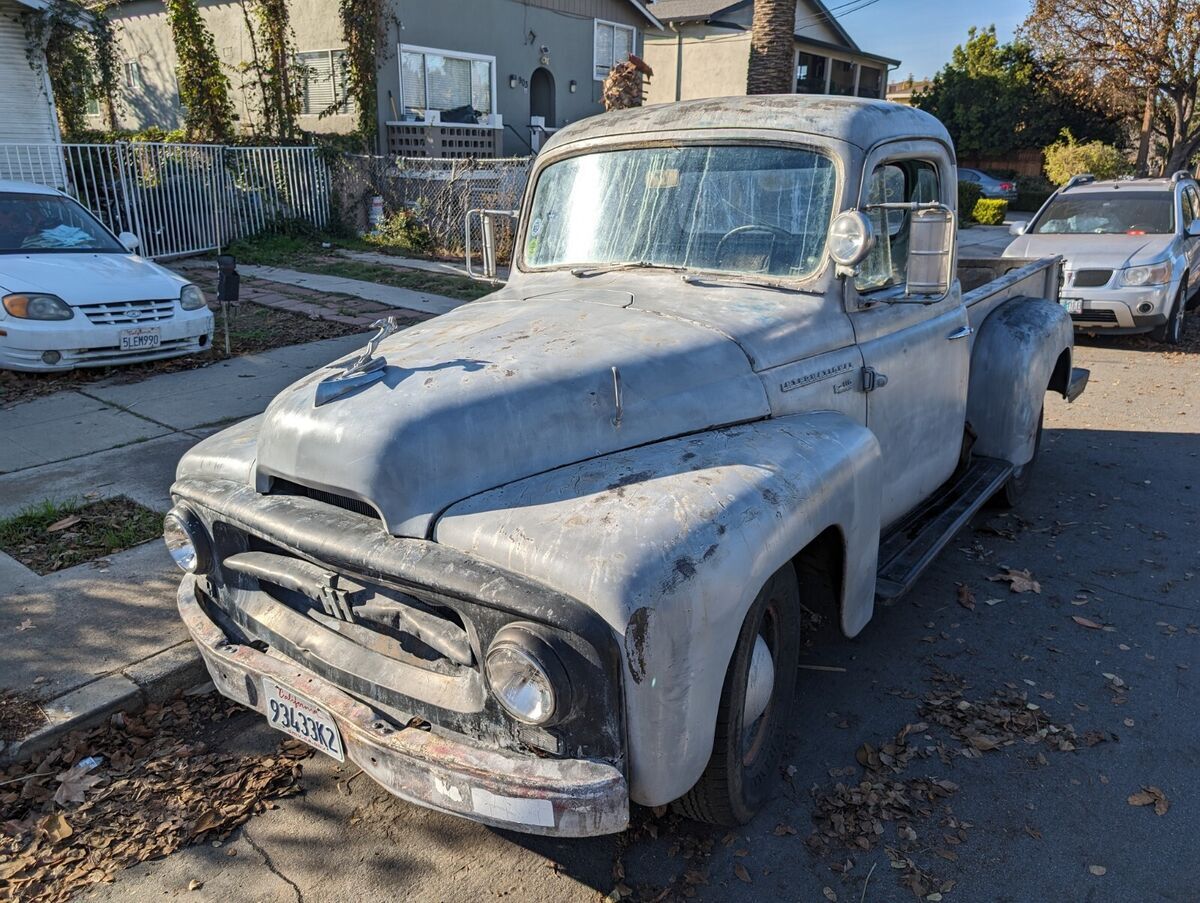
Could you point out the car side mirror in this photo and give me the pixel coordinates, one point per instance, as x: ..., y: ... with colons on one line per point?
x: 1018, y: 228
x: 130, y: 241
x: 488, y: 220
x: 931, y: 253
x: 1193, y: 229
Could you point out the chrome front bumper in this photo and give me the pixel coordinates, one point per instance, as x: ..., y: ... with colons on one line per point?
x: 560, y: 797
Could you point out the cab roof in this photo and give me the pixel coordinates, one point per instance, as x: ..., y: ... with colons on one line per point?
x: 855, y: 120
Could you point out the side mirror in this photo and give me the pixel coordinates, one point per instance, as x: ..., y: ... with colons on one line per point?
x: 130, y: 241
x: 1193, y: 229
x: 487, y: 244
x: 1018, y: 228
x: 931, y: 253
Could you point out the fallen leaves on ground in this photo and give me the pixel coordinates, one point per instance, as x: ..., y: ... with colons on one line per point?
x: 1000, y: 720
x: 19, y: 716
x: 966, y: 598
x: 1151, y: 796
x: 156, y: 789
x: 1086, y: 622
x: 1018, y: 581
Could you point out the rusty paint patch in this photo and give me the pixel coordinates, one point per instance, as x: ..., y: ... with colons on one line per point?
x: 635, y: 643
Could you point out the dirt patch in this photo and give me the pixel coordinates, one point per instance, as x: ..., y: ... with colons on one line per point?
x: 56, y: 535
x: 138, y: 788
x: 252, y: 328
x: 20, y: 716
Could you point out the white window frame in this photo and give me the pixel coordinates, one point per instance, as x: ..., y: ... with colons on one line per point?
x: 132, y: 73
x: 453, y: 54
x: 633, y: 36
x: 345, y: 109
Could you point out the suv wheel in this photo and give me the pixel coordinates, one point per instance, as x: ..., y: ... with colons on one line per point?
x: 1171, y: 332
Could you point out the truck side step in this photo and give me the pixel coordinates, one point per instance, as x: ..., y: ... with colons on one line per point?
x: 911, y: 546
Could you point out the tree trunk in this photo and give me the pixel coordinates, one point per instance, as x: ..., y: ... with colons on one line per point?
x: 772, y: 48
x: 1143, y: 157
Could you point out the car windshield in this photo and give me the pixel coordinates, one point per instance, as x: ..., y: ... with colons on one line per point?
x: 1109, y: 213
x: 730, y: 209
x: 45, y: 223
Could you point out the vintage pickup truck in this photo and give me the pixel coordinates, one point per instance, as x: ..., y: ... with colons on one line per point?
x: 544, y: 556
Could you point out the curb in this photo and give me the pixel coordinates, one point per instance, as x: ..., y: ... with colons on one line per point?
x: 153, y: 679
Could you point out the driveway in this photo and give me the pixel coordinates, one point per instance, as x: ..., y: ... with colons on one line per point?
x: 1086, y: 691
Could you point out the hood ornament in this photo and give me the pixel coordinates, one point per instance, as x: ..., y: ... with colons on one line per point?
x: 362, y: 370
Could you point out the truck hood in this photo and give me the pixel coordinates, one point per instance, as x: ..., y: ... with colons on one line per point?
x: 1088, y: 252
x: 497, y: 391
x: 89, y: 278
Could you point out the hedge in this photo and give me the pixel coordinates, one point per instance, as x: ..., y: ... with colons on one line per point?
x: 969, y: 194
x: 990, y: 212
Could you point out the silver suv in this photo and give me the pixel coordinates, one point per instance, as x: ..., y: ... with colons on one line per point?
x: 1132, y: 252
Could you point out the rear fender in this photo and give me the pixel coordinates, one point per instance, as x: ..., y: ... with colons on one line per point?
x: 1018, y: 354
x: 670, y: 544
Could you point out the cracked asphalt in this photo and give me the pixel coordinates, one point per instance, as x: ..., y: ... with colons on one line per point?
x: 1109, y: 531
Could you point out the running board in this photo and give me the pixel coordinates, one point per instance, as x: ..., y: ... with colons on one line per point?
x: 915, y: 542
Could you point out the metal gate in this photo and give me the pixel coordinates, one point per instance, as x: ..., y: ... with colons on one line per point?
x: 181, y: 198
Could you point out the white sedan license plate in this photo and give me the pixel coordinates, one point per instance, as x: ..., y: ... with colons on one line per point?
x: 140, y: 339
x: 1073, y: 305
x: 291, y: 713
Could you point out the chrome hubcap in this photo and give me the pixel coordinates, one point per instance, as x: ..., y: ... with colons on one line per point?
x: 759, y: 683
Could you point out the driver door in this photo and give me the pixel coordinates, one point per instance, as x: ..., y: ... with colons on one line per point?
x: 918, y: 354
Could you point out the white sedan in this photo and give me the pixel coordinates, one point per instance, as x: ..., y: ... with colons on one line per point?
x: 74, y: 295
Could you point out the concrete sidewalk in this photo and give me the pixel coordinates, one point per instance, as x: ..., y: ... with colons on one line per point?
x: 389, y: 295
x: 105, y: 635
x: 414, y: 263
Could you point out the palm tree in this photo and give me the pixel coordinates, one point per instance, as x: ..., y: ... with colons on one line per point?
x: 772, y: 47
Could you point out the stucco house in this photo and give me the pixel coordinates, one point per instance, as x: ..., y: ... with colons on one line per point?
x: 27, y: 113
x: 456, y: 77
x: 704, y: 51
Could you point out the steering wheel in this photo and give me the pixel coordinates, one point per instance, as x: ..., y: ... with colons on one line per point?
x: 751, y: 228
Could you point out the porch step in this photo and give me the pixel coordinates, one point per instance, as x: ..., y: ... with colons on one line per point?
x: 912, y: 545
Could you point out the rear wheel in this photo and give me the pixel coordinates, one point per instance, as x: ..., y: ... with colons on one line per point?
x: 1018, y: 483
x: 753, y: 715
x: 1171, y: 332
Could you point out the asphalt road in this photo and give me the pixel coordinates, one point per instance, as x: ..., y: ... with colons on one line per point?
x: 1109, y: 531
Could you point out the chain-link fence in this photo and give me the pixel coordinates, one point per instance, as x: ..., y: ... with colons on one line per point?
x: 434, y: 193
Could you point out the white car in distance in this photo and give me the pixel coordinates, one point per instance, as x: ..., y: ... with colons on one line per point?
x: 72, y: 294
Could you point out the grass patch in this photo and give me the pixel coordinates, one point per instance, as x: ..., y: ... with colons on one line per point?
x: 50, y: 536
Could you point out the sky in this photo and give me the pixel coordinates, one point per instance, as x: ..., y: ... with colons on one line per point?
x: 922, y: 33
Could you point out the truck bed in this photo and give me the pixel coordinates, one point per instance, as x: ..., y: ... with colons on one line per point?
x: 989, y: 281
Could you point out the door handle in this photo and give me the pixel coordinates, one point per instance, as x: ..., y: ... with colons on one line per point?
x: 961, y: 333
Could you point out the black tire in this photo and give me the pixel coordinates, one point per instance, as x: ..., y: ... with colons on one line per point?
x: 744, y: 767
x: 1171, y: 332
x: 1018, y: 484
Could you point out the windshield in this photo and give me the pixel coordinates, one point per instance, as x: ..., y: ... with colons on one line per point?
x: 732, y: 209
x: 43, y: 223
x: 1109, y: 213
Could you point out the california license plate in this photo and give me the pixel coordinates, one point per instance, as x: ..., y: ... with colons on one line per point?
x: 1072, y: 305
x: 140, y: 339
x: 303, y: 719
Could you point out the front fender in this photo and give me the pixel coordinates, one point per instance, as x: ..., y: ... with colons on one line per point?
x: 670, y: 543
x: 1018, y: 350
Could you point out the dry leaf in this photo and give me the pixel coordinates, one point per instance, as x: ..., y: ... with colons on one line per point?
x: 54, y: 828
x: 69, y: 521
x: 740, y: 871
x: 1018, y: 581
x: 829, y: 894
x: 1150, y: 796
x: 966, y: 598
x: 195, y: 885
x: 1097, y: 870
x: 25, y: 625
x: 1086, y: 622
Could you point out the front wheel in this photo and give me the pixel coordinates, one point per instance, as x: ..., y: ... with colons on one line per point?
x: 754, y: 712
x: 1018, y: 484
x: 1171, y: 332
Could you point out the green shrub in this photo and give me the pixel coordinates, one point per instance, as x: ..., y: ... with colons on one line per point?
x: 1067, y: 157
x: 969, y: 194
x: 404, y: 230
x: 990, y: 212
x: 1032, y: 193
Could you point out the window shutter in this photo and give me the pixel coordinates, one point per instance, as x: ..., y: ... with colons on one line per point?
x: 413, y: 90
x: 603, y: 49
x: 449, y: 82
x: 318, y: 81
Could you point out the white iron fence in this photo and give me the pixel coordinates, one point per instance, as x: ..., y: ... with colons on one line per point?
x: 181, y: 198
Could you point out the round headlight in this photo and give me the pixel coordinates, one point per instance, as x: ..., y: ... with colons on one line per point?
x: 186, y: 540
x: 526, y: 676
x: 851, y: 238
x: 191, y: 298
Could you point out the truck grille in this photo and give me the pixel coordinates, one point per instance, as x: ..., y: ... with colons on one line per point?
x: 110, y: 313
x: 1091, y: 278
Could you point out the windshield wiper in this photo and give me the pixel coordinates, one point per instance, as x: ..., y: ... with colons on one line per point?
x: 775, y: 285
x: 599, y: 269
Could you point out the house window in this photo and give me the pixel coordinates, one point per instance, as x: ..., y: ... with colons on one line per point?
x: 870, y: 82
x: 460, y: 86
x: 326, y: 83
x: 133, y: 74
x: 810, y: 73
x: 612, y: 44
x: 841, y: 80
x: 93, y: 107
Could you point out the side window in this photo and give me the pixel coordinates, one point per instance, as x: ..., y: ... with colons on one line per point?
x: 901, y: 182
x: 1191, y: 206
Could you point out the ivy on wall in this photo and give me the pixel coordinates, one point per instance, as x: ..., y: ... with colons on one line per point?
x: 363, y: 30
x: 105, y: 66
x: 278, y: 79
x: 203, y: 86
